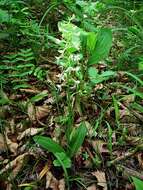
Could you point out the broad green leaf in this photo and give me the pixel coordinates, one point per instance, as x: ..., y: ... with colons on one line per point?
x: 77, y: 139
x: 93, y: 74
x: 91, y: 41
x: 96, y: 78
x: 138, y: 183
x: 48, y: 144
x: 103, y: 45
x: 64, y: 158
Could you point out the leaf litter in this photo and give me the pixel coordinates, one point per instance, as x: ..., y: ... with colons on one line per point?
x: 95, y: 144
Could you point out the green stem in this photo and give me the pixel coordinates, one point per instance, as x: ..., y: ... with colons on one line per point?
x: 48, y: 10
x: 65, y: 170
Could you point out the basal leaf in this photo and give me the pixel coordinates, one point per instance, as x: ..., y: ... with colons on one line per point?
x: 138, y: 183
x: 77, y: 139
x: 103, y: 45
x: 48, y: 144
x: 64, y: 158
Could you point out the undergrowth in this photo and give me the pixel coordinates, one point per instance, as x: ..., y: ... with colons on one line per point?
x: 71, y: 94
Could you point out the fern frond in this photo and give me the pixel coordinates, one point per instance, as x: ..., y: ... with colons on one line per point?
x: 19, y: 65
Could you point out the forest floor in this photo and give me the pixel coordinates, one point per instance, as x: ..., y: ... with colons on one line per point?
x: 97, y: 127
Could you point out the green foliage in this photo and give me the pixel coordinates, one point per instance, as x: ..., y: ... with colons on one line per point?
x: 110, y: 133
x: 129, y: 32
x: 63, y: 157
x: 91, y: 42
x: 17, y: 66
x: 48, y: 144
x: 96, y: 78
x: 65, y: 160
x: 39, y: 97
x: 140, y: 64
x: 74, y: 38
x: 76, y: 139
x: 117, y: 111
x: 138, y: 183
x: 102, y: 47
x: 137, y: 106
x: 4, y: 16
x: 78, y: 38
x: 78, y: 50
x: 90, y: 8
x: 3, y: 98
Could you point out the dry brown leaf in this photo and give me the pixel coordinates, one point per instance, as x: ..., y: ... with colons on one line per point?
x: 31, y: 112
x: 50, y: 100
x: 129, y: 186
x: 101, y: 179
x: 51, y: 181
x: 37, y: 112
x: 92, y: 187
x: 140, y: 160
x: 9, y: 186
x: 2, y: 143
x: 29, y: 132
x: 15, y: 165
x: 98, y: 87
x: 42, y: 111
x: 11, y: 144
x: 100, y: 146
x: 62, y: 184
x: 131, y: 172
x: 30, y: 90
x: 10, y: 141
x: 4, y: 112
